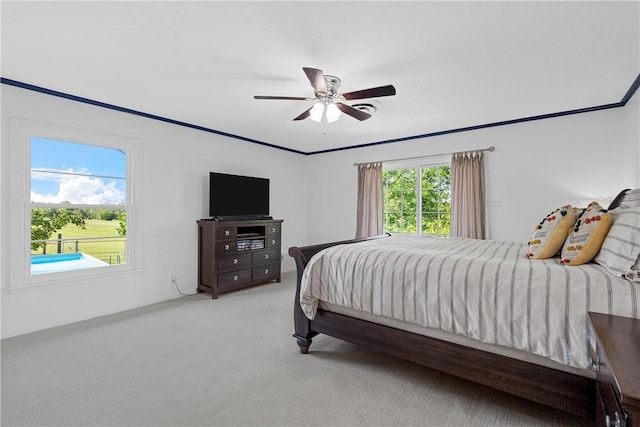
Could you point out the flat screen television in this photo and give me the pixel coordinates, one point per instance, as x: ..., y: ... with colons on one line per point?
x: 237, y: 196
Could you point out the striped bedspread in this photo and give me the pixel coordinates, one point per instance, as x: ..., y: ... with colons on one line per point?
x: 482, y: 289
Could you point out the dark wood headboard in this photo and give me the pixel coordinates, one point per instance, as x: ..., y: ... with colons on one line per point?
x: 302, y: 255
x: 627, y: 198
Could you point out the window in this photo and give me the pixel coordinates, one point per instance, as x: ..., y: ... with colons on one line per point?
x: 78, y: 195
x: 404, y: 187
x: 75, y: 204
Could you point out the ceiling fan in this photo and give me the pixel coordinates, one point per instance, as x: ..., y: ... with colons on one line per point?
x: 328, y: 106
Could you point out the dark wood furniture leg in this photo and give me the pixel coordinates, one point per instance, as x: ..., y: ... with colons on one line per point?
x: 618, y: 363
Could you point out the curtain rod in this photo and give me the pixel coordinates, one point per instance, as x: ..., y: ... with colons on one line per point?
x: 492, y: 148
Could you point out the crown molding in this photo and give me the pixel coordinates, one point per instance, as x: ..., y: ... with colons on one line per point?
x: 627, y: 96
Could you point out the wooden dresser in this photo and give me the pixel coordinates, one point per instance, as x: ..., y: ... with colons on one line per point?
x: 618, y: 374
x: 237, y: 254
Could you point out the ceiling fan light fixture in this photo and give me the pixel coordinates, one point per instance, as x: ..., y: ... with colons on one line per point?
x: 316, y: 112
x: 322, y: 108
x: 333, y: 113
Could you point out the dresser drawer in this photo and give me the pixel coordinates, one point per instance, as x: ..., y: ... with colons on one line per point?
x: 234, y: 262
x: 273, y: 229
x: 226, y: 248
x: 266, y: 272
x: 273, y: 242
x: 233, y: 278
x: 266, y: 257
x: 226, y: 233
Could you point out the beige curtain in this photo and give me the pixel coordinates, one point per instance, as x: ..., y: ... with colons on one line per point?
x: 467, y: 195
x: 369, y: 210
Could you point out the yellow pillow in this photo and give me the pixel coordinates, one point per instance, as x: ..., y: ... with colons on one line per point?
x: 551, y: 232
x: 585, y: 240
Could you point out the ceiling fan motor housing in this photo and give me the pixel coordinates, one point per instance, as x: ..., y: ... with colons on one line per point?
x: 333, y: 83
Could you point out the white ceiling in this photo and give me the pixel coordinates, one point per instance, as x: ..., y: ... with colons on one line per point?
x: 454, y: 64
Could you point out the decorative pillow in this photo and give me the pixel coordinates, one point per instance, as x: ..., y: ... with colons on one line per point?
x: 620, y: 252
x: 551, y: 232
x: 587, y: 236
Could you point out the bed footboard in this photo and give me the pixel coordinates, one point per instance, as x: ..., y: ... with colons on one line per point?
x: 301, y: 255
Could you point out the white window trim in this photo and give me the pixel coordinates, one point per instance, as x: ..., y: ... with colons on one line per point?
x: 19, y: 265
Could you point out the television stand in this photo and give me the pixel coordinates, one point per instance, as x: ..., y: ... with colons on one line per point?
x: 237, y: 254
x: 242, y: 217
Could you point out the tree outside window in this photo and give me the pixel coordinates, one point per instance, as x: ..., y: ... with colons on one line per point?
x: 403, y: 187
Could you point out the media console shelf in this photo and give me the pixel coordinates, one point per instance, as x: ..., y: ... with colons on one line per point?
x: 237, y: 254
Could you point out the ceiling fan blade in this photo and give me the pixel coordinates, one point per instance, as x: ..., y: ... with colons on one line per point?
x: 304, y: 114
x: 288, y: 98
x: 374, y: 92
x: 316, y: 77
x: 353, y: 112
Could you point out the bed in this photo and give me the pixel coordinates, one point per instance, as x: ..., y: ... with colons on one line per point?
x: 480, y: 310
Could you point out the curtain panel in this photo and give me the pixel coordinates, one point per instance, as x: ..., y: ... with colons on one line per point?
x: 468, y: 195
x: 369, y: 220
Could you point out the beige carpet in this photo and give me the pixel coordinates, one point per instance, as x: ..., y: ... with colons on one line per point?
x: 232, y: 361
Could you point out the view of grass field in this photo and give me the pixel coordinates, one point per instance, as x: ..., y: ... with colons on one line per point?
x: 106, y: 245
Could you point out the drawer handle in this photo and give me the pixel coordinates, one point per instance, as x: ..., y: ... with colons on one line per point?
x: 226, y: 232
x: 226, y: 247
x: 266, y: 271
x: 273, y: 241
x: 273, y: 230
x: 609, y: 423
x: 266, y: 256
x: 235, y: 278
x: 235, y: 260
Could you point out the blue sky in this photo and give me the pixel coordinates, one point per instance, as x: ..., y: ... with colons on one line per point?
x: 93, y: 175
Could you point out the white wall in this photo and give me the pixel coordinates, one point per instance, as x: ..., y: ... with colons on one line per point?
x: 176, y: 164
x: 537, y: 166
x: 631, y: 136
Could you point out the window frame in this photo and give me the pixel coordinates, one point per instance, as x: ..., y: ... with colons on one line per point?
x: 21, y: 132
x: 418, y: 164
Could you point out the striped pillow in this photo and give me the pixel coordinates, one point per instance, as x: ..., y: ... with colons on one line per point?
x: 620, y: 252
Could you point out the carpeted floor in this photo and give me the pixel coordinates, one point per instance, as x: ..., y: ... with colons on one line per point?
x: 195, y: 361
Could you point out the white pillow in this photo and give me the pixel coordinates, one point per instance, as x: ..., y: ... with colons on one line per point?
x: 620, y: 252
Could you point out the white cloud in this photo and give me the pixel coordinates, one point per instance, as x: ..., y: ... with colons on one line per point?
x: 83, y: 190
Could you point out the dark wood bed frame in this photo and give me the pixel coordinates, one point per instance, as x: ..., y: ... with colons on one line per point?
x: 558, y: 389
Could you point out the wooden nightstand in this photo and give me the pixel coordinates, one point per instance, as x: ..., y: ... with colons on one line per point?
x: 618, y: 375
